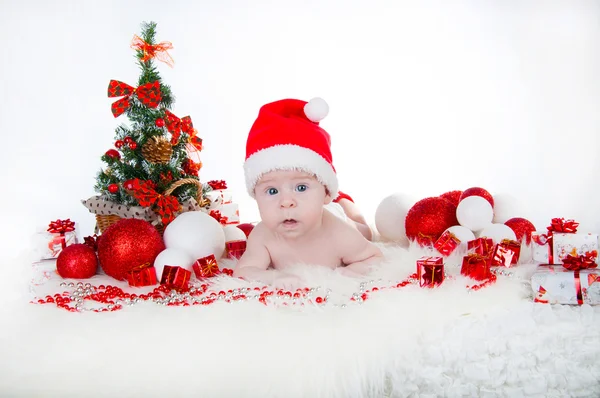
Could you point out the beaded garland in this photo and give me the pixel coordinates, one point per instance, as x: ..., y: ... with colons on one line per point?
x: 200, y: 293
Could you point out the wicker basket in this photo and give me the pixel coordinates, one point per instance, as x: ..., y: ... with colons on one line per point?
x: 105, y: 221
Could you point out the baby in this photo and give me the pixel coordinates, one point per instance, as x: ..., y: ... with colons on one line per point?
x: 289, y: 172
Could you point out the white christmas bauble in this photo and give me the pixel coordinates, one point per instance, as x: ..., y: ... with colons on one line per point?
x: 196, y: 233
x: 390, y: 216
x: 233, y: 233
x: 172, y: 257
x: 464, y: 234
x: 505, y: 207
x: 498, y: 232
x: 474, y: 212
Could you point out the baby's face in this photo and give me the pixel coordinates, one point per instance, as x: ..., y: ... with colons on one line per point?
x: 290, y: 202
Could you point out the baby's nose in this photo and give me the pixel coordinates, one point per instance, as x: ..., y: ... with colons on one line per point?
x: 287, y: 202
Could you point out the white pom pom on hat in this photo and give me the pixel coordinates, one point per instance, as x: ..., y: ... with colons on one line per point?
x: 316, y: 109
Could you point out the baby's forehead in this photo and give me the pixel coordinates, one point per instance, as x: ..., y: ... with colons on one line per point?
x: 285, y: 175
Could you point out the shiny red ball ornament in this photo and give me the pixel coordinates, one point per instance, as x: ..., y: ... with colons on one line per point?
x: 246, y: 227
x: 132, y: 145
x: 128, y: 140
x: 523, y: 228
x: 113, y: 188
x: 452, y: 196
x: 160, y: 122
x: 476, y: 191
x: 428, y: 219
x: 77, y: 261
x: 113, y: 154
x: 128, y: 244
x: 128, y: 184
x: 119, y: 144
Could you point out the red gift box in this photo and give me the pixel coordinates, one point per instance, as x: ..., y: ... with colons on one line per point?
x: 175, y: 277
x: 506, y: 253
x: 430, y: 271
x: 144, y: 275
x: 482, y: 246
x: 236, y: 249
x: 447, y: 243
x: 206, y: 267
x: 476, y: 266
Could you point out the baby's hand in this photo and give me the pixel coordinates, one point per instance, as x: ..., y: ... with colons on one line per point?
x: 287, y: 282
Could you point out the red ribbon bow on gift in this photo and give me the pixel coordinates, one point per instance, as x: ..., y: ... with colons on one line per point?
x: 562, y: 225
x: 217, y: 184
x: 149, y: 94
x: 167, y: 206
x: 585, y: 261
x: 176, y: 125
x: 158, y: 51
x: 216, y: 214
x: 61, y: 226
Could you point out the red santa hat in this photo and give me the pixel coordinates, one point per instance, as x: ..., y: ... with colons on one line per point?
x: 286, y: 136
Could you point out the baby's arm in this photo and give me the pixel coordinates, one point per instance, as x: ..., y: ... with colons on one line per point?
x: 358, y: 254
x: 256, y: 259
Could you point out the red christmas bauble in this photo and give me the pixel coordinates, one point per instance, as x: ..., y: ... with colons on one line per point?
x: 128, y: 184
x: 132, y: 145
x: 247, y: 228
x: 113, y: 188
x: 119, y: 144
x: 428, y: 219
x: 476, y: 191
x: 160, y: 122
x: 113, y: 153
x: 523, y: 228
x: 127, y: 244
x: 77, y: 261
x: 128, y: 140
x: 452, y: 196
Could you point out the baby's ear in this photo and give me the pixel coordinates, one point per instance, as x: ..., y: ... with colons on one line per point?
x: 328, y: 197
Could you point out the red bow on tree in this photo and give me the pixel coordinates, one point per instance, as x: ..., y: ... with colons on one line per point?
x: 176, y: 125
x: 576, y: 263
x: 158, y: 51
x: 61, y: 226
x: 216, y: 214
x: 564, y: 226
x: 194, y: 140
x: 217, y: 184
x: 149, y: 94
x: 166, y: 206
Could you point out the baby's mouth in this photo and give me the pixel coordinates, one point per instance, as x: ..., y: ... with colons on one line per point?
x: 289, y: 221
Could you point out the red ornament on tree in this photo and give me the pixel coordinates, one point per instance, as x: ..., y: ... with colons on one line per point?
x: 128, y: 244
x: 428, y: 219
x: 113, y: 188
x: 128, y: 185
x: 119, y: 144
x: 113, y: 154
x: 452, y: 196
x: 160, y: 122
x: 77, y: 261
x: 476, y: 191
x: 128, y: 140
x: 247, y: 228
x: 522, y: 228
x: 133, y: 145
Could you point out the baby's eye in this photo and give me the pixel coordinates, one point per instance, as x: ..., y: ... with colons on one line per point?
x: 301, y: 187
x: 272, y: 191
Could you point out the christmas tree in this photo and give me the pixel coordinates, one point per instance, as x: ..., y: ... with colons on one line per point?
x: 152, y: 173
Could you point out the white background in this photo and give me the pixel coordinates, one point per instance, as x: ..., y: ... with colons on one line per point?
x: 425, y: 96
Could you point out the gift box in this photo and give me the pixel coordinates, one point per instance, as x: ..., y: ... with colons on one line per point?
x: 446, y: 243
x: 557, y: 285
x: 219, y: 194
x: 175, y: 277
x: 60, y: 234
x: 430, y: 271
x: 506, y: 253
x: 476, y: 266
x: 206, y: 267
x: 236, y: 248
x: 144, y: 275
x: 553, y: 248
x: 482, y: 246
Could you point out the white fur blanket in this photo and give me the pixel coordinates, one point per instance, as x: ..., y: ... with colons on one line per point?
x: 408, y: 342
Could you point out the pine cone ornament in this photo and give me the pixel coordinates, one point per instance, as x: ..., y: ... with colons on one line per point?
x: 157, y: 150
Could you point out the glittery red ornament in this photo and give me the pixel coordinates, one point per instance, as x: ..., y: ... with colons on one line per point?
x: 113, y: 188
x: 128, y: 244
x: 476, y: 191
x: 77, y: 261
x: 452, y: 196
x: 428, y: 219
x: 521, y: 227
x: 160, y: 122
x: 247, y: 228
x: 113, y: 153
x: 119, y: 143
